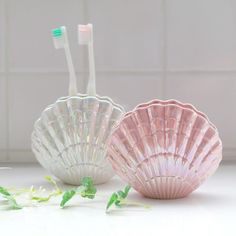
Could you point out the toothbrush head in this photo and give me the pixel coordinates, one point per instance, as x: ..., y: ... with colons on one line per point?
x: 85, y: 34
x: 59, y: 37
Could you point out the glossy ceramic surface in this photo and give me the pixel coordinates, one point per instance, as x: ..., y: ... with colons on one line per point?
x: 165, y: 149
x: 70, y: 137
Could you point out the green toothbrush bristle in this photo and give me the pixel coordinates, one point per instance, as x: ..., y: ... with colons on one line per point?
x: 57, y: 32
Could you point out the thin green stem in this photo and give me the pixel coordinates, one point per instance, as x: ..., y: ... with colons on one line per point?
x: 125, y: 202
x: 96, y: 195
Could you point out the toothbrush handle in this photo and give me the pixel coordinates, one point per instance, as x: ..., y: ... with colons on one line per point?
x: 73, y: 84
x: 91, y: 89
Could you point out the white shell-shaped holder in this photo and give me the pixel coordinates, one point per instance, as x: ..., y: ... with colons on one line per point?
x: 70, y: 137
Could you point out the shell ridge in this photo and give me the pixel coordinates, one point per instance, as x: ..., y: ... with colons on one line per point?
x: 149, y: 142
x: 104, y: 124
x: 201, y: 136
x: 204, y: 149
x: 155, y: 146
x: 91, y: 133
x: 186, y: 131
x: 177, y: 132
x: 208, y: 164
x: 46, y: 137
x: 60, y: 115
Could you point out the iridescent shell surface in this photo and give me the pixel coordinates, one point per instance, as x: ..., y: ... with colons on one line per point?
x: 70, y: 138
x: 165, y: 149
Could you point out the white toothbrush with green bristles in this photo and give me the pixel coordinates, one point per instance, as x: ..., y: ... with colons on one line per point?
x: 85, y: 37
x: 60, y: 40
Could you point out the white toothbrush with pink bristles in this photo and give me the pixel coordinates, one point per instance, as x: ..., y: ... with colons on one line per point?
x: 85, y: 37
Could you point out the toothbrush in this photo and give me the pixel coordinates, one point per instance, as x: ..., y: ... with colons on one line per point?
x: 85, y: 37
x: 60, y: 40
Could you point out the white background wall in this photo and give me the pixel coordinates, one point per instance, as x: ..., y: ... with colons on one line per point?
x: 145, y: 49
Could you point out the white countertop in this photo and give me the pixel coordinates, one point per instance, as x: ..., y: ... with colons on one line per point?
x: 210, y: 210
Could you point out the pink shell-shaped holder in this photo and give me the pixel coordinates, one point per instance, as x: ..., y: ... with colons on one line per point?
x: 165, y: 149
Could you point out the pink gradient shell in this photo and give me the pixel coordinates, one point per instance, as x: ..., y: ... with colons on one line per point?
x: 165, y: 149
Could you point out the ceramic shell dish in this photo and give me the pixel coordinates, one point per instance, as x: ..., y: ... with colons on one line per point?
x: 165, y: 149
x: 69, y: 139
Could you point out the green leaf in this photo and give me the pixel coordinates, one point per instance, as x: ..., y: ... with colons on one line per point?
x: 87, y: 189
x: 112, y: 200
x: 118, y: 197
x: 126, y: 192
x: 4, y: 192
x: 121, y: 194
x: 67, y: 196
x: 92, y: 192
x: 10, y: 199
x: 12, y: 203
x: 89, y: 192
x: 117, y: 203
x: 87, y: 181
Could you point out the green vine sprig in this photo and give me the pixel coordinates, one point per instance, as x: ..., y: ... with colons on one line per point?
x: 85, y: 190
x: 119, y: 199
x: 56, y: 192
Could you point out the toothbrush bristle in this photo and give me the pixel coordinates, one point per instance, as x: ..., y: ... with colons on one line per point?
x: 57, y: 32
x: 58, y: 35
x: 85, y: 34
